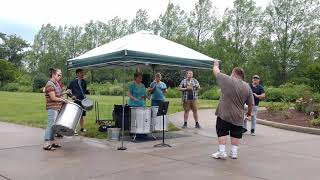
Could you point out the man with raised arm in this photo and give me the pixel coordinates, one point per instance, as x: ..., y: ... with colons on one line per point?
x: 230, y: 111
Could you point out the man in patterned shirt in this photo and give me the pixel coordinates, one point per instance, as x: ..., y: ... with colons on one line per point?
x: 189, y: 87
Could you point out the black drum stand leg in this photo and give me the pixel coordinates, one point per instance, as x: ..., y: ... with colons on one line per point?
x: 162, y: 144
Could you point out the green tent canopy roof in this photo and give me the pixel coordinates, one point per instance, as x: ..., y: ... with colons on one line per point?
x: 141, y: 48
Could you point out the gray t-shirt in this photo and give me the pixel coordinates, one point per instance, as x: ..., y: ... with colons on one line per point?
x: 234, y: 94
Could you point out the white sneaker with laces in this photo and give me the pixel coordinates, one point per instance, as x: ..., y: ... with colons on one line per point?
x: 219, y: 155
x: 233, y: 155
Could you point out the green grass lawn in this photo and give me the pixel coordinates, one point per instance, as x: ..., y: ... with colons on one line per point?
x: 29, y: 109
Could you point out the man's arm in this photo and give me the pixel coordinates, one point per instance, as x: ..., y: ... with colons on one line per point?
x: 182, y: 88
x: 249, y: 112
x: 262, y: 93
x: 250, y: 103
x: 216, y: 69
x: 261, y: 96
x: 70, y: 88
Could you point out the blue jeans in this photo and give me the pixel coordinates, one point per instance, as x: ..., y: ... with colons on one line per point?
x: 52, y: 115
x: 156, y: 102
x: 253, y: 118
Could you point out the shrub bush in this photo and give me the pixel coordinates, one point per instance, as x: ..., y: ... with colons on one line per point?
x: 25, y: 88
x: 316, y: 97
x: 211, y: 94
x: 278, y: 107
x: 274, y: 94
x: 39, y: 81
x: 107, y: 89
x: 104, y: 92
x: 24, y: 80
x: 204, y: 89
x: 115, y: 90
x: 316, y: 121
x: 288, y: 92
x: 12, y: 87
x: 173, y: 93
x: 99, y: 89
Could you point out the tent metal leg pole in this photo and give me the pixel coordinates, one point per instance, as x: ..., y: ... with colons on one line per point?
x: 123, y: 93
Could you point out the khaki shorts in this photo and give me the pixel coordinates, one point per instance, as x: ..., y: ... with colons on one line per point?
x: 190, y: 104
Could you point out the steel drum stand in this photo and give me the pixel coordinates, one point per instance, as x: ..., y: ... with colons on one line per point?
x: 122, y: 148
x: 122, y: 131
x: 163, y: 109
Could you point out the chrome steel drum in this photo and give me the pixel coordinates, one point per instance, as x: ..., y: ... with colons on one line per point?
x: 67, y: 119
x: 87, y: 104
x: 157, y: 120
x: 140, y: 120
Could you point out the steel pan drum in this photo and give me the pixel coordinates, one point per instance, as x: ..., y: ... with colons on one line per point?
x: 140, y: 120
x: 67, y: 119
x: 87, y: 104
x: 157, y: 120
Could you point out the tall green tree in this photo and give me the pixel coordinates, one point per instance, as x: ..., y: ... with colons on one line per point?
x: 201, y: 21
x: 72, y: 41
x: 117, y: 28
x: 242, y: 25
x: 172, y: 23
x: 95, y: 34
x: 140, y: 22
x: 264, y: 61
x: 313, y: 75
x: 48, y: 49
x: 8, y: 72
x: 288, y: 21
x: 13, y: 49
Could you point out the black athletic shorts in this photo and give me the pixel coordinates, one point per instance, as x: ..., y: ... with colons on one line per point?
x: 79, y: 103
x: 225, y: 128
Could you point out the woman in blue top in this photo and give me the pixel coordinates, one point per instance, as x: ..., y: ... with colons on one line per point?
x: 157, y: 89
x: 137, y: 92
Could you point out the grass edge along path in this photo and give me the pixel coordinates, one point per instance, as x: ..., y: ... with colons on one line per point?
x: 29, y: 109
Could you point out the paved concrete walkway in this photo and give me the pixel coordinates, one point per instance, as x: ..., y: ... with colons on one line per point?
x: 272, y: 154
x: 207, y: 120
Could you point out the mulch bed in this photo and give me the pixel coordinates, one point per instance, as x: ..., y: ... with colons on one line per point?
x: 294, y: 118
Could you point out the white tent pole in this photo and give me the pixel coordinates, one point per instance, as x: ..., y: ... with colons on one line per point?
x: 123, y: 106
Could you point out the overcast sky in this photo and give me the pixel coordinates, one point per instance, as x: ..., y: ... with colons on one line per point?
x: 25, y: 17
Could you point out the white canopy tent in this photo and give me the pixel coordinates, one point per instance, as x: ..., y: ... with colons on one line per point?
x: 141, y: 48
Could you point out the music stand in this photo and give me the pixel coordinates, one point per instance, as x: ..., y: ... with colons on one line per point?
x: 163, y: 109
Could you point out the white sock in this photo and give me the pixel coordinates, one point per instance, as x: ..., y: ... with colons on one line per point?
x: 222, y: 148
x: 234, y: 149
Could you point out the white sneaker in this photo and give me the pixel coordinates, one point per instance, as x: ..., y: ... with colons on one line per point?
x: 219, y: 155
x: 253, y: 134
x: 233, y: 155
x: 76, y: 133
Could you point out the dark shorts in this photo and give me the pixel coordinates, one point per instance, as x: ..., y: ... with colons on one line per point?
x: 225, y: 128
x: 79, y: 103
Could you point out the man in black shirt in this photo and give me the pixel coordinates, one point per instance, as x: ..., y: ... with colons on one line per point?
x: 258, y: 94
x: 78, y: 89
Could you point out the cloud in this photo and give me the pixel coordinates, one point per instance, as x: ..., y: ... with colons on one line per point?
x: 24, y: 16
